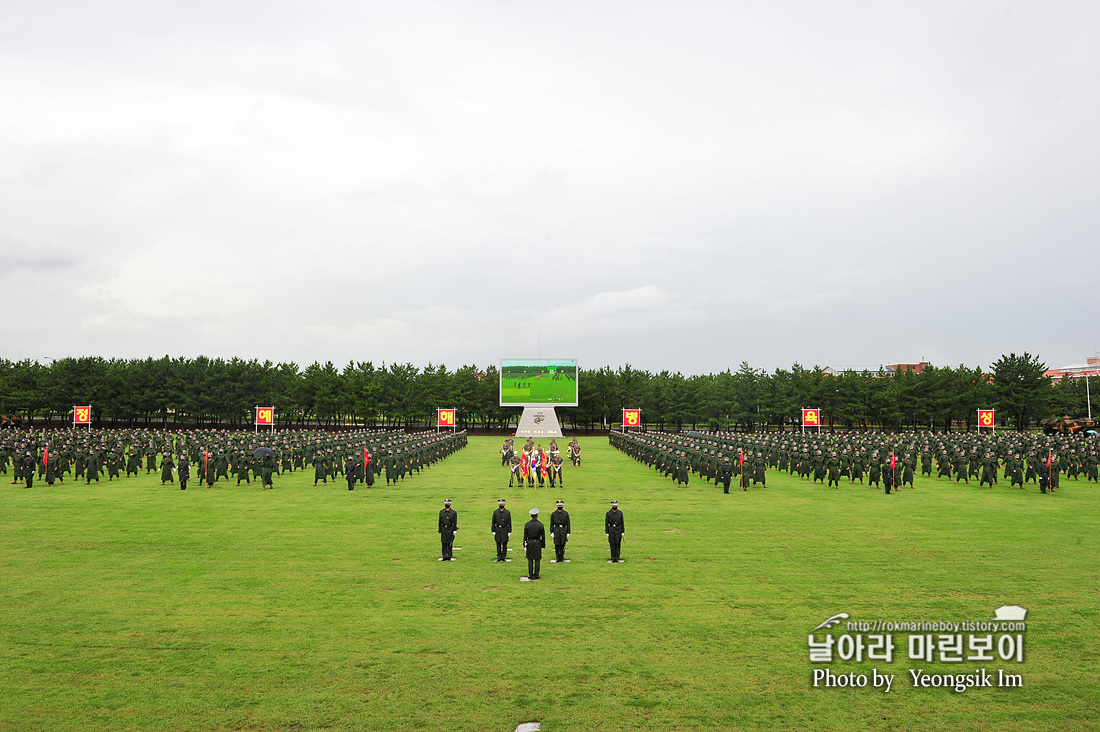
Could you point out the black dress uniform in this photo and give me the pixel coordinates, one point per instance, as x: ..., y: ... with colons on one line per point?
x: 351, y: 472
x: 615, y: 529
x: 502, y: 529
x: 559, y: 530
x: 27, y: 469
x: 534, y: 540
x: 448, y: 525
x: 725, y: 475
x: 184, y: 472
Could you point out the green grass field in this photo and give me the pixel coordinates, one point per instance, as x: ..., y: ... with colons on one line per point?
x: 129, y: 606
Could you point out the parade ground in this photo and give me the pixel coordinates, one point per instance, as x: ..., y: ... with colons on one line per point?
x: 131, y: 606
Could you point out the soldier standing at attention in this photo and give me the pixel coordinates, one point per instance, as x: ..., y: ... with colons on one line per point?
x: 166, y: 466
x: 555, y: 471
x: 725, y: 474
x: 26, y: 469
x: 534, y: 541
x: 351, y: 472
x: 615, y: 530
x: 559, y: 530
x: 514, y: 463
x: 501, y: 528
x: 368, y: 472
x: 448, y: 527
x: 184, y: 471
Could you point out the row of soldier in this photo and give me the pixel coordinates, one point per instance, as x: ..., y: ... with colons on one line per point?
x: 218, y: 454
x: 830, y: 458
x: 534, y: 534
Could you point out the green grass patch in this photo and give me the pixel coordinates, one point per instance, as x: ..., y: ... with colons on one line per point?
x: 131, y: 606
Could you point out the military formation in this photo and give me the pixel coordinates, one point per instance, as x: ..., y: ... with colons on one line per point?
x: 534, y: 534
x: 888, y: 461
x: 216, y: 456
x: 533, y: 467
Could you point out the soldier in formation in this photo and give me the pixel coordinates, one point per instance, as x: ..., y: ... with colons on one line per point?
x: 501, y: 528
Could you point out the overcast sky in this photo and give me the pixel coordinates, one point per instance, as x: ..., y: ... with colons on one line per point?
x: 674, y: 185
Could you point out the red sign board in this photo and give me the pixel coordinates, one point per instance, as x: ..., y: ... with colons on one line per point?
x: 811, y: 417
x: 82, y: 415
x: 445, y: 418
x: 265, y: 415
x: 632, y: 417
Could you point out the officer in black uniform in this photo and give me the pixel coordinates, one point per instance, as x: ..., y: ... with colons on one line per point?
x: 534, y: 540
x: 615, y: 530
x: 351, y: 472
x: 184, y: 472
x: 725, y: 474
x: 1044, y: 472
x: 448, y: 527
x: 502, y: 529
x: 27, y: 469
x: 559, y: 530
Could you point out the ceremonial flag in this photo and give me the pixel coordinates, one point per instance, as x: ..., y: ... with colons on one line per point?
x: 82, y: 415
x: 366, y: 458
x: 893, y: 461
x: 523, y: 469
x: 46, y: 457
x: 632, y: 417
x: 811, y: 417
x: 265, y: 416
x: 985, y: 417
x: 741, y: 466
x: 445, y: 418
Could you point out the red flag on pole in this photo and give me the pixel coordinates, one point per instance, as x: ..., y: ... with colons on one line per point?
x: 366, y: 457
x: 46, y: 457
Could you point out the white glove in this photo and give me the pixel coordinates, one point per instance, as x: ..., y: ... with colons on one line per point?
x: 568, y: 535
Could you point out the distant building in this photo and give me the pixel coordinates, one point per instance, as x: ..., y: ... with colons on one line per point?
x: 916, y: 368
x: 1075, y: 370
x: 889, y: 369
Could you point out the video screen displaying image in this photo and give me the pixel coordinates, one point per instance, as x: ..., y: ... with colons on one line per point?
x: 536, y: 381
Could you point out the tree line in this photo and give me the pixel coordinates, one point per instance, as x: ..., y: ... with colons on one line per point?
x: 207, y: 392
